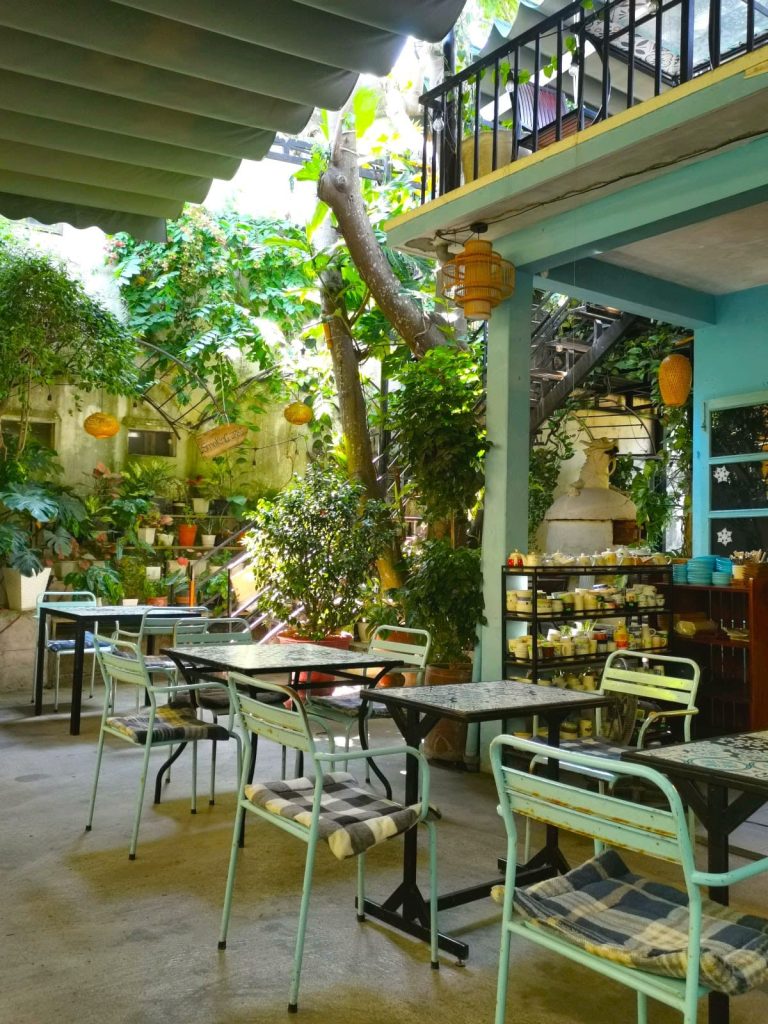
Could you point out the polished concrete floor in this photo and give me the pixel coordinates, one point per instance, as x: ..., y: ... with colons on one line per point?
x: 89, y: 936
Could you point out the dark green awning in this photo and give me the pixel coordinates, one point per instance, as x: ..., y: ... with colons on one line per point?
x: 116, y: 112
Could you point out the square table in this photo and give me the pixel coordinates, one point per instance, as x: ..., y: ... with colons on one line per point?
x: 724, y: 780
x: 86, y: 617
x: 415, y: 710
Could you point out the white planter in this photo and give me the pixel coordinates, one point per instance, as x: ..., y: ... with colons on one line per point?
x: 22, y: 592
x: 130, y: 601
x: 200, y: 506
x: 165, y: 540
x: 146, y: 534
x: 208, y: 540
x: 154, y: 572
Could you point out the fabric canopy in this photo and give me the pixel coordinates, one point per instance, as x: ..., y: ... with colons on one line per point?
x: 116, y: 112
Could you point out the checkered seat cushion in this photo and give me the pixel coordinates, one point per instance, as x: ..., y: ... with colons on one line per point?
x: 64, y: 646
x: 596, y: 746
x: 352, y: 819
x: 171, y: 724
x: 349, y: 704
x: 602, y: 907
x: 152, y: 662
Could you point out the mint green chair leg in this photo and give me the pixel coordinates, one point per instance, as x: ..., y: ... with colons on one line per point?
x: 140, y: 795
x: 642, y: 1008
x: 501, y: 984
x: 293, y: 998
x: 212, y: 794
x: 194, y: 778
x: 231, y: 878
x: 99, y: 753
x: 433, y: 954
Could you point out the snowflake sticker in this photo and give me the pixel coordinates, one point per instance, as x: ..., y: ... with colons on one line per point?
x: 722, y: 475
x: 724, y: 537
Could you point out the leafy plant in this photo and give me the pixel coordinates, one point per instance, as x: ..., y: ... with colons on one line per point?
x: 101, y: 580
x: 444, y: 594
x: 439, y: 432
x: 316, y: 544
x: 132, y: 574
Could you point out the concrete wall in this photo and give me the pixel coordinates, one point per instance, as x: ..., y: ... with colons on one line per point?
x: 730, y: 359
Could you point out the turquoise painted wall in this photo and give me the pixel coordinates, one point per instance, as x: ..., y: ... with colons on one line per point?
x: 731, y: 358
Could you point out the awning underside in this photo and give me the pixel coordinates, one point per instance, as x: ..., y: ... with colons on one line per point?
x: 116, y: 112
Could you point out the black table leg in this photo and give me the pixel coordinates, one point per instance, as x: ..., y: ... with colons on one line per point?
x: 40, y: 661
x: 406, y: 909
x: 164, y: 768
x: 77, y: 680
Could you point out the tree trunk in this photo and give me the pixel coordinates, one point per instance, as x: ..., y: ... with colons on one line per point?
x: 339, y: 187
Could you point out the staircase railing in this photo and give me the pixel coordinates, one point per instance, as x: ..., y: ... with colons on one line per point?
x: 515, y: 100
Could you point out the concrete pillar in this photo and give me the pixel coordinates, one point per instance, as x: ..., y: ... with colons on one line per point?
x: 505, y: 524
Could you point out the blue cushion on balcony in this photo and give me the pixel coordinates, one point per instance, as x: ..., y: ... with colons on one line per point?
x: 68, y: 646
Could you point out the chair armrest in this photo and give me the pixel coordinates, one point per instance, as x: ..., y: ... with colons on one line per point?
x: 724, y: 878
x: 654, y: 716
x: 359, y: 755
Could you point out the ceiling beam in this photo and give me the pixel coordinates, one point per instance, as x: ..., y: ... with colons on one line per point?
x: 631, y: 291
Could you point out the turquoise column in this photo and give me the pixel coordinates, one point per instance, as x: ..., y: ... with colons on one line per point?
x: 505, y: 523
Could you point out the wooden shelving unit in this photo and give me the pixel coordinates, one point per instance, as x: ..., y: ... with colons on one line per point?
x: 733, y: 693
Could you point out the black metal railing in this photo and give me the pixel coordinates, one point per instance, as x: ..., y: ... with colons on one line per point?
x: 573, y: 69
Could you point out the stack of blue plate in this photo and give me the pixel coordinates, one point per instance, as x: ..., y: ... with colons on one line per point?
x: 723, y: 565
x: 700, y: 570
x: 721, y: 579
x: 680, y: 572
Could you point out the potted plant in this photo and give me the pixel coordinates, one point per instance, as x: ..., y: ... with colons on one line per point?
x: 315, y: 546
x: 149, y: 523
x: 187, y: 530
x: 208, y: 529
x: 155, y: 592
x: 102, y: 580
x: 132, y: 574
x: 196, y: 489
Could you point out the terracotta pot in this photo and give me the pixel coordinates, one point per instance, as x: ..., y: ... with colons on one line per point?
x: 445, y: 743
x: 187, y: 534
x: 159, y: 602
x: 339, y: 642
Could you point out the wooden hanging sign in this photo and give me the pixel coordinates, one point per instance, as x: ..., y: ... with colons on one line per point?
x: 220, y: 439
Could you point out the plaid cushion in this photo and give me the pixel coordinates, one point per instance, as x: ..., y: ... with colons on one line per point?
x: 596, y: 746
x: 610, y: 912
x: 171, y: 724
x: 63, y: 646
x: 152, y: 662
x: 351, y: 819
x: 349, y: 704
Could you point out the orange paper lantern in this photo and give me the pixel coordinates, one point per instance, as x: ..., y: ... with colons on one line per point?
x: 101, y: 425
x: 675, y: 378
x: 297, y: 413
x: 478, y: 279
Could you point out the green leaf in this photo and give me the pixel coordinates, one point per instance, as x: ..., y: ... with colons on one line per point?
x: 319, y: 215
x: 365, y: 103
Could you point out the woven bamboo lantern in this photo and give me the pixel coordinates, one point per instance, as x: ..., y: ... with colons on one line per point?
x: 298, y: 413
x: 478, y: 279
x: 675, y: 377
x: 101, y: 425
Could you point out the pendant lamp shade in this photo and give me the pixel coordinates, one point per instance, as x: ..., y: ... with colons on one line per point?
x: 101, y: 425
x: 478, y: 279
x: 298, y: 413
x: 675, y: 378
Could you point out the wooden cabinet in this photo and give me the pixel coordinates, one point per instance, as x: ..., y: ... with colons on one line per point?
x: 733, y: 693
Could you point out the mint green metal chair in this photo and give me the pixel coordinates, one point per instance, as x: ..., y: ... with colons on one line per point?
x: 156, y: 725
x: 602, y: 916
x: 59, y: 648
x: 328, y: 805
x: 411, y: 645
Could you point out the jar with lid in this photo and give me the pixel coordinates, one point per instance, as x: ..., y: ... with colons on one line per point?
x: 515, y: 560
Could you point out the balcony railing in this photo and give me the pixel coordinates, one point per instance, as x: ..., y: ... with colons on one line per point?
x: 575, y: 68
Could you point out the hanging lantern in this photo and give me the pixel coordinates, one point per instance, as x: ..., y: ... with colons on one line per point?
x: 101, y: 425
x: 478, y: 279
x: 298, y: 413
x: 675, y: 377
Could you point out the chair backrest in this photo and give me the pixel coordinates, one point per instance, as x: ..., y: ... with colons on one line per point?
x: 411, y: 645
x: 677, y: 686
x: 155, y: 622
x: 660, y: 832
x: 212, y: 631
x: 273, y: 721
x: 64, y: 597
x: 123, y: 662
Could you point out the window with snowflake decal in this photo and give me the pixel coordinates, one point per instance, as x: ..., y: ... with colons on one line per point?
x: 738, y: 473
x: 724, y: 537
x: 739, y: 485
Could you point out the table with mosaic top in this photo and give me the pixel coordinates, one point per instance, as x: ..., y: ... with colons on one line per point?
x: 415, y: 711
x: 724, y: 780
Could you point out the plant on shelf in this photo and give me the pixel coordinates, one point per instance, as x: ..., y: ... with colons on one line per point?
x: 209, y: 527
x: 316, y: 545
x: 187, y: 528
x: 102, y: 580
x: 132, y: 574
